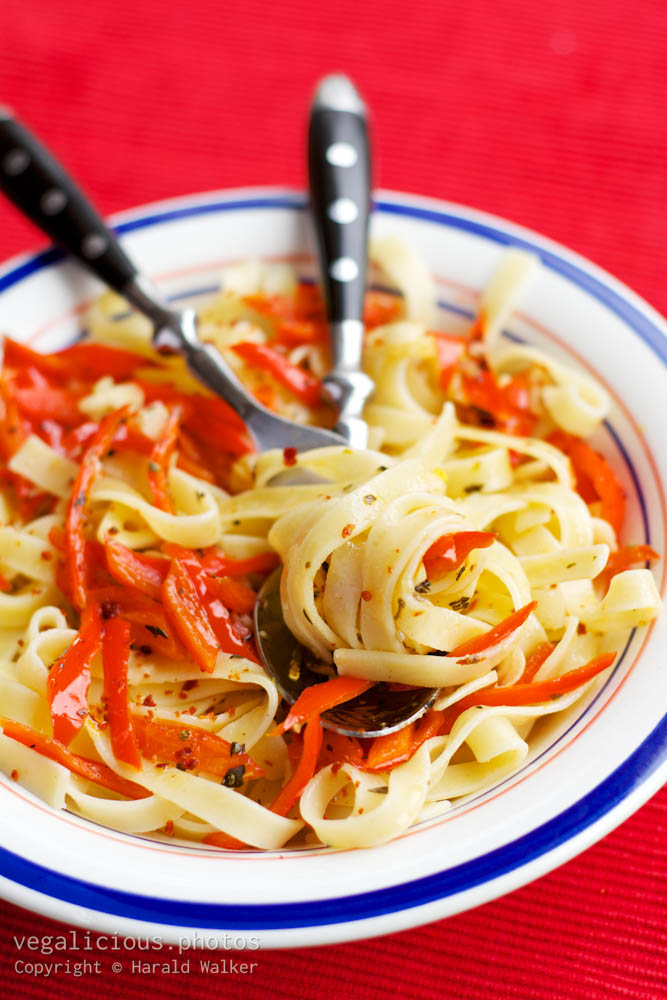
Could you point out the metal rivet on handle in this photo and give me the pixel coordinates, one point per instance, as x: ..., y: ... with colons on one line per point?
x: 341, y: 154
x: 344, y: 269
x: 53, y: 201
x: 93, y: 246
x: 343, y: 210
x: 15, y: 162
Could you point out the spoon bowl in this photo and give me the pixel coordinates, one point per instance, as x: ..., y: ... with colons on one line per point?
x: 376, y: 712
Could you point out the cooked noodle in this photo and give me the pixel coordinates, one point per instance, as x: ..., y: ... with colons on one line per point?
x: 472, y: 511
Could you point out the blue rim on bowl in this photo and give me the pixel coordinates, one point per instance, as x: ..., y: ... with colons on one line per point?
x: 548, y: 844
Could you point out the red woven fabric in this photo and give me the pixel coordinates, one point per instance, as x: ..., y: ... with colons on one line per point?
x: 551, y: 114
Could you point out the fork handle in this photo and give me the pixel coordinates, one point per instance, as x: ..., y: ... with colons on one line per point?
x: 41, y: 189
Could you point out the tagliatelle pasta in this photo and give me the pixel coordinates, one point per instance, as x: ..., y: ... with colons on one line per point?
x: 473, y: 548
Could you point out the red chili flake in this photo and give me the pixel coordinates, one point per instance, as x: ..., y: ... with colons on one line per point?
x: 15, y: 775
x: 189, y: 685
x: 149, y: 701
x: 169, y: 828
x: 46, y: 556
x: 21, y: 642
x: 366, y: 595
x: 289, y: 456
x: 336, y: 766
x: 347, y: 530
x: 581, y: 629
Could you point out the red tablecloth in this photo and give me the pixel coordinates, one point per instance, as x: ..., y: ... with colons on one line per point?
x: 552, y: 114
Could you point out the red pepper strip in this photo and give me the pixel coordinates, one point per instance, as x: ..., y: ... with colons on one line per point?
x: 312, y: 742
x: 127, y: 437
x: 87, y: 361
x: 449, y: 551
x: 266, y: 395
x: 425, y: 728
x: 380, y: 308
x: 69, y: 679
x: 92, y: 361
x: 308, y: 301
x: 234, y: 594
x: 145, y: 613
x: 190, y: 458
x: 79, y: 438
x: 115, y: 657
x: 293, y: 332
x: 388, y: 751
x: 31, y: 503
x: 144, y: 573
x: 538, y: 691
x: 448, y: 350
x: 158, y: 463
x: 208, y: 418
x: 305, y: 310
x: 304, y: 385
x: 518, y: 391
x: 96, y: 575
x: 274, y: 306
x: 52, y: 433
x: 210, y: 462
x: 495, y: 635
x: 509, y: 406
x: 211, y: 608
x: 90, y: 769
x: 181, y: 601
x: 130, y: 438
x: 76, y: 510
x: 5, y: 585
x: 319, y: 697
x: 299, y: 320
x: 191, y: 747
x: 595, y: 479
x: 216, y: 425
x: 41, y: 401
x: 58, y: 539
x: 218, y: 564
x: 387, y: 755
x: 13, y: 428
x: 535, y: 660
x: 339, y: 749
x: 223, y: 840
x: 625, y: 557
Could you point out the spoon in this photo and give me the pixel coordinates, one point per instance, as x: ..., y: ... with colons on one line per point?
x: 43, y: 191
x: 339, y: 174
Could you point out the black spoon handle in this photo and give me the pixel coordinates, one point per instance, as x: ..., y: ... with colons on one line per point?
x: 339, y: 169
x: 37, y: 184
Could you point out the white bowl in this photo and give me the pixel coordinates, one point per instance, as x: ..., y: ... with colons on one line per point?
x: 585, y: 776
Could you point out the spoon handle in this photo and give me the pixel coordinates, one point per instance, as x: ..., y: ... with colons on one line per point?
x: 339, y: 174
